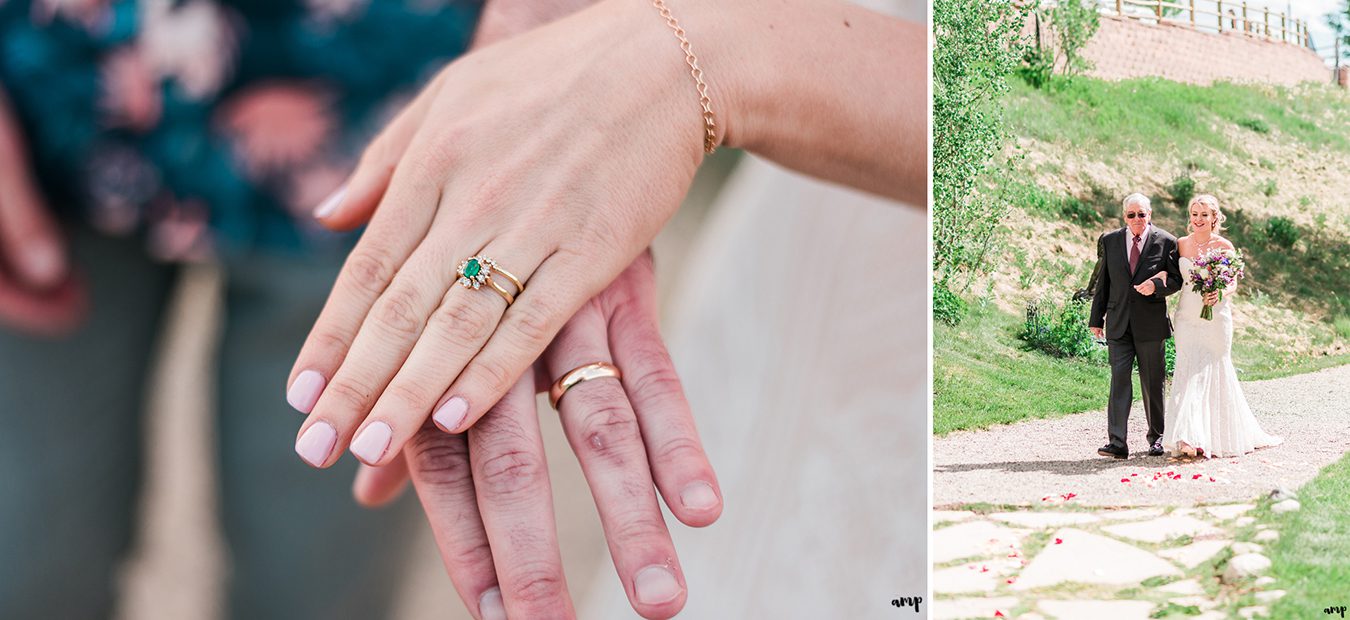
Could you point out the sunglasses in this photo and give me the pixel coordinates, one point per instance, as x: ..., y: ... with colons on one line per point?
x: 1130, y: 216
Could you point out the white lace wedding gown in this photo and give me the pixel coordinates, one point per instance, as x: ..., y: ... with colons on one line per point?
x: 1206, y: 408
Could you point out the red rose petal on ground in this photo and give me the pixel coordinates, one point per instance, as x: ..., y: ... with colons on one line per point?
x: 984, y: 569
x: 1010, y: 580
x: 1124, y: 479
x: 1133, y: 475
x: 1059, y: 541
x: 1211, y: 478
x: 998, y: 614
x: 1195, y: 477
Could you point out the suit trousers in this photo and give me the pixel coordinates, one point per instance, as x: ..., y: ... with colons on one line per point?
x: 1149, y: 354
x: 72, y: 441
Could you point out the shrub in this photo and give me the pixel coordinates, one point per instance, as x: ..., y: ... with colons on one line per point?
x: 1075, y: 21
x: 1182, y: 190
x: 1282, y: 232
x: 1269, y: 188
x: 1062, y: 332
x: 948, y: 307
x: 1254, y: 124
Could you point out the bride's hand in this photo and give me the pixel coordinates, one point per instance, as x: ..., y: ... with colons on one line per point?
x: 500, y: 157
x: 1211, y: 298
x: 625, y: 435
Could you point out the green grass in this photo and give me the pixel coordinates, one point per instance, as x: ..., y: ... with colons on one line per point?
x: 982, y: 376
x: 1311, y: 559
x: 1156, y: 115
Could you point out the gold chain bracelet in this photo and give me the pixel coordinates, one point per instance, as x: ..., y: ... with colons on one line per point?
x: 709, y: 120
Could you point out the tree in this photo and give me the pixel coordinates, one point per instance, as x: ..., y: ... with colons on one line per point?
x: 977, y: 46
x: 1339, y: 22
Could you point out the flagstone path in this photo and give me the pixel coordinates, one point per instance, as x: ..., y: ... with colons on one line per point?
x: 1030, y: 523
x: 1069, y: 562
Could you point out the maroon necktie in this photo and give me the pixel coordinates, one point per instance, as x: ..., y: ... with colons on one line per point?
x: 1134, y: 255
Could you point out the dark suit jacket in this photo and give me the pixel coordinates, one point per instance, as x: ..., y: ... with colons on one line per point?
x: 1115, y: 304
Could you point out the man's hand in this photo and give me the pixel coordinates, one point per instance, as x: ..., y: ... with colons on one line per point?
x: 1097, y: 332
x: 1146, y: 289
x: 36, y: 294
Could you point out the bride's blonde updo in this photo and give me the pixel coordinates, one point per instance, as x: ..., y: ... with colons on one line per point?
x: 1211, y: 203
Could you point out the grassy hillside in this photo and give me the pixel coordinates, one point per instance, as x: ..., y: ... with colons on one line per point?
x: 1277, y: 158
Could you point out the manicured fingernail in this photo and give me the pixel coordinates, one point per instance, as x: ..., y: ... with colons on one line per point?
x: 656, y: 584
x: 305, y: 390
x: 490, y: 605
x: 698, y: 496
x: 451, y: 414
x: 44, y: 264
x: 371, y: 442
x: 316, y: 444
x: 330, y: 204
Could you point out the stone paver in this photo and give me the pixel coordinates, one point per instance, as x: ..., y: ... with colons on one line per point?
x: 972, y: 538
x: 1194, y: 554
x: 952, y: 609
x: 1045, y: 519
x: 950, y: 516
x: 1266, y: 536
x: 1246, y: 565
x: 1114, y: 610
x: 1229, y: 511
x: 1084, y: 557
x: 1163, y: 528
x: 973, y: 577
x: 1185, y: 586
x: 1132, y: 514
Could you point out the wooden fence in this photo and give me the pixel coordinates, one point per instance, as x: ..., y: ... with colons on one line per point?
x: 1220, y: 16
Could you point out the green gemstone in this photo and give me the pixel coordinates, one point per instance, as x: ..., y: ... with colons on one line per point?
x: 472, y: 268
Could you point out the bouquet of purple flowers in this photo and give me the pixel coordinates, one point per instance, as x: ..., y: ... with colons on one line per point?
x: 1216, y: 270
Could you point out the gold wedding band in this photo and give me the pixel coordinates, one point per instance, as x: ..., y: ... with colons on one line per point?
x: 477, y: 271
x: 594, y: 370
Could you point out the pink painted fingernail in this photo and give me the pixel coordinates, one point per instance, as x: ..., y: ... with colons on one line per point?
x: 371, y: 442
x: 330, y: 204
x: 490, y: 605
x: 698, y: 496
x: 451, y: 414
x: 317, y: 443
x: 656, y: 584
x: 305, y: 390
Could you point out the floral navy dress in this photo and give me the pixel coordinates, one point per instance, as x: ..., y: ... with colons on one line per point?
x: 213, y: 127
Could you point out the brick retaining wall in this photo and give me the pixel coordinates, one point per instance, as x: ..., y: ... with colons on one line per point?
x: 1126, y: 48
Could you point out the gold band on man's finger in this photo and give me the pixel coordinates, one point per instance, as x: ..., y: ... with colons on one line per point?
x: 594, y: 370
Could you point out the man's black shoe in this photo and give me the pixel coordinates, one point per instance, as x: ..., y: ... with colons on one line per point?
x: 1114, y: 452
x: 1156, y: 448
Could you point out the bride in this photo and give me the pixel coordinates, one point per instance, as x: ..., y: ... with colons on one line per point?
x: 1207, y: 415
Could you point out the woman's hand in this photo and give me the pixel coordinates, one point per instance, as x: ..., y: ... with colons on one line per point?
x: 501, y: 156
x: 1211, y: 298
x: 625, y: 435
x: 36, y: 293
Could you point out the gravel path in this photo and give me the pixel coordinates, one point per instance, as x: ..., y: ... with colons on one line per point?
x: 1039, y: 462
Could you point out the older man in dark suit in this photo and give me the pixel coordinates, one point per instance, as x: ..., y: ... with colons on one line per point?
x: 1136, y: 271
